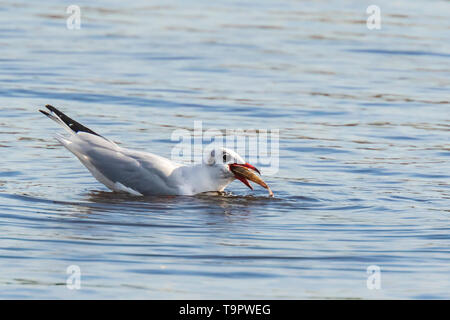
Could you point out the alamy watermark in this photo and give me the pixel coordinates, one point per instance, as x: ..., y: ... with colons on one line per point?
x: 259, y: 147
x: 73, y: 282
x: 373, y: 281
x: 73, y: 22
x: 374, y: 19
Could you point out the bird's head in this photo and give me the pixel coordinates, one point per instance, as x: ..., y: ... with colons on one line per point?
x: 232, y: 166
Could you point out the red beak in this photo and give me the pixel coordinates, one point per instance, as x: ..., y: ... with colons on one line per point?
x: 239, y: 176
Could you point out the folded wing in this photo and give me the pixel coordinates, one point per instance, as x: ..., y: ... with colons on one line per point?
x: 118, y: 168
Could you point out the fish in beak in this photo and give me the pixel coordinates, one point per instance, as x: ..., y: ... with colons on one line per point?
x: 246, y: 171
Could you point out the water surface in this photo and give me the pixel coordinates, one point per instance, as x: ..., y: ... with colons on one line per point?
x: 364, y: 149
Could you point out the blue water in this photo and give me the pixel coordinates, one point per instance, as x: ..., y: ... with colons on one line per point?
x: 364, y: 173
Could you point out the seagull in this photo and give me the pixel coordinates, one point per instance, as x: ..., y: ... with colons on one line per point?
x: 142, y: 173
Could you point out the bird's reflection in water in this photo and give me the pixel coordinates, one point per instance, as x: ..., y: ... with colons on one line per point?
x: 223, y: 203
x: 231, y: 204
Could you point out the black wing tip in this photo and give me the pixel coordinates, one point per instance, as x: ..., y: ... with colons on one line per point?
x: 72, y: 124
x: 53, y: 109
x: 44, y: 112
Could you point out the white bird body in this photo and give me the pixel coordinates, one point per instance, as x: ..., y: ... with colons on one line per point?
x: 142, y: 173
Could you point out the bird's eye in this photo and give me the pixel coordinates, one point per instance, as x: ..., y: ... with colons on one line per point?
x: 225, y: 158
